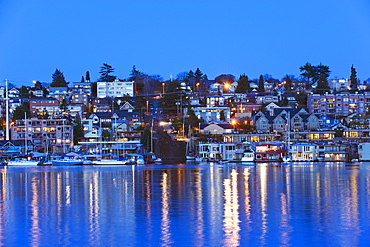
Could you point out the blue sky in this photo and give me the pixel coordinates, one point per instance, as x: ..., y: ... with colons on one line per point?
x: 168, y: 37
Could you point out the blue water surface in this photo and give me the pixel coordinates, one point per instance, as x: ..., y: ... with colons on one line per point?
x: 316, y: 204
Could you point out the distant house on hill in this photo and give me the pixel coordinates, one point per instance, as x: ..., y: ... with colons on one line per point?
x: 216, y: 128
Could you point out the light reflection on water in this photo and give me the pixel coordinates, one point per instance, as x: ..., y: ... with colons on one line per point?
x: 194, y: 205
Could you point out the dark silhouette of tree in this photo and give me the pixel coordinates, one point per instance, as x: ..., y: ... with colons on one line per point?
x: 58, y: 79
x: 20, y: 110
x: 243, y: 85
x: 77, y: 129
x: 307, y: 71
x: 261, y: 84
x: 24, y: 92
x: 288, y: 83
x: 301, y: 99
x: 87, y: 76
x: 105, y: 73
x: 82, y: 79
x: 323, y: 73
x: 353, y: 80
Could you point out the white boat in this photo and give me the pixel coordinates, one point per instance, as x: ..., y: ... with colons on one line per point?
x: 109, y: 162
x: 67, y: 162
x: 136, y: 159
x: 286, y: 159
x: 248, y: 156
x: 22, y: 162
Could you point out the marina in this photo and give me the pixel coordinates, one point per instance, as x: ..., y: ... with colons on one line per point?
x: 205, y: 204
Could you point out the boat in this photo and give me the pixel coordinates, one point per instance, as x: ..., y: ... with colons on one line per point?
x: 158, y: 161
x: 67, y: 161
x: 22, y: 162
x: 286, y: 159
x: 110, y: 162
x: 136, y: 159
x: 248, y: 156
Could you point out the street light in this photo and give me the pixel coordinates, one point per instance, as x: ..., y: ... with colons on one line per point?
x: 178, y: 105
x: 163, y: 84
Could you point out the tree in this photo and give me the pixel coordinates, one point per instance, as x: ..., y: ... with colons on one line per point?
x: 87, y: 76
x: 58, y: 79
x: 106, y: 135
x: 284, y: 102
x: 198, y: 75
x: 288, y: 83
x: 261, y: 84
x: 146, y: 140
x: 323, y: 73
x: 24, y: 92
x: 21, y: 110
x: 243, y: 85
x: 301, y: 99
x: 83, y: 79
x: 307, y: 71
x: 353, y: 80
x: 105, y: 73
x: 77, y: 129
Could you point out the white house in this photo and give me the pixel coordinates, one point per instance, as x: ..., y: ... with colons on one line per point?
x: 364, y: 151
x: 304, y: 152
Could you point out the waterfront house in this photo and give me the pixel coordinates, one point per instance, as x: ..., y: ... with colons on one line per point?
x: 304, y: 152
x: 364, y: 151
x: 336, y: 152
x: 270, y: 152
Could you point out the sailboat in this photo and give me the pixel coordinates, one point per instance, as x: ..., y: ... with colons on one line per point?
x: 287, y: 157
x: 190, y: 147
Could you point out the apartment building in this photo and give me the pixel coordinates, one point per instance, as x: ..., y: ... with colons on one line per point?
x: 341, y: 104
x: 115, y: 89
x: 53, y: 135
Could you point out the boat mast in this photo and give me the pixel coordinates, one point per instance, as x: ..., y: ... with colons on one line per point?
x: 6, y: 111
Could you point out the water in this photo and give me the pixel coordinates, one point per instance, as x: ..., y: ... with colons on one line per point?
x: 186, y: 205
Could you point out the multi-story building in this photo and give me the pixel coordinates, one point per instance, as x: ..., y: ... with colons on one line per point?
x: 341, y: 104
x: 81, y: 92
x: 115, y: 89
x: 338, y: 85
x: 51, y: 135
x: 41, y: 106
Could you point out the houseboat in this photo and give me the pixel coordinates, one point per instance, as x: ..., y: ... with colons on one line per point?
x: 270, y: 152
x: 305, y: 152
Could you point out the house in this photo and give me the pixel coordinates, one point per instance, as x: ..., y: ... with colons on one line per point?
x: 364, y: 151
x: 212, y: 114
x: 216, y: 128
x: 59, y: 93
x: 304, y: 152
x: 336, y: 152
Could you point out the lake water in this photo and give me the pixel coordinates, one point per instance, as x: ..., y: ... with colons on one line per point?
x: 321, y: 204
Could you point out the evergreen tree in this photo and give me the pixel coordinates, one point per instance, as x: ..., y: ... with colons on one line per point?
x: 24, y: 92
x: 83, y: 79
x: 105, y: 73
x: 20, y: 110
x: 198, y: 75
x: 87, y: 76
x: 353, y: 80
x: 243, y: 85
x: 58, y: 79
x: 77, y: 129
x: 288, y: 83
x: 261, y: 84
